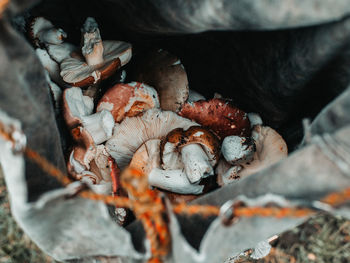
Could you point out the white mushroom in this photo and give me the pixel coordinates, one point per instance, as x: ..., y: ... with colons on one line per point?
x: 254, y: 119
x: 44, y: 32
x: 132, y: 132
x: 147, y: 159
x: 226, y: 173
x: 99, y: 60
x: 236, y: 149
x: 76, y: 106
x: 100, y: 126
x: 270, y: 148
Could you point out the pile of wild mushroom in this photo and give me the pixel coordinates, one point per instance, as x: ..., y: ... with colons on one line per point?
x: 185, y: 144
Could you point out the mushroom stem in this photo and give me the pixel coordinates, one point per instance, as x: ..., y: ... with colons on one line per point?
x: 52, y: 36
x: 196, y: 163
x: 99, y: 125
x: 174, y: 181
x: 92, y: 49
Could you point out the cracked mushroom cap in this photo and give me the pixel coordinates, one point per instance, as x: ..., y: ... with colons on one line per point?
x: 132, y: 132
x: 128, y: 100
x: 270, y: 148
x: 166, y: 74
x: 75, y: 106
x: 219, y: 115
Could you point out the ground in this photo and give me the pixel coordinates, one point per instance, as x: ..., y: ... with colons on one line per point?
x: 322, y: 239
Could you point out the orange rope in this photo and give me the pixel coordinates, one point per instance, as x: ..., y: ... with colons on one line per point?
x: 3, y: 5
x: 150, y: 209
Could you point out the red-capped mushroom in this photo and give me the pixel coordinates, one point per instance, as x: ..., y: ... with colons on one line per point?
x: 219, y: 115
x: 128, y: 100
x: 99, y: 59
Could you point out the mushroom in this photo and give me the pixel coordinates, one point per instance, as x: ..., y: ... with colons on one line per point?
x: 166, y: 74
x: 147, y: 159
x: 42, y: 31
x: 226, y: 173
x: 270, y: 148
x: 128, y: 100
x: 75, y: 106
x: 132, y: 132
x: 236, y: 149
x: 196, y: 150
x: 194, y: 96
x: 99, y: 59
x: 254, y: 119
x: 219, y: 115
x: 77, y: 111
x: 99, y: 125
x: 91, y: 167
x: 85, y: 150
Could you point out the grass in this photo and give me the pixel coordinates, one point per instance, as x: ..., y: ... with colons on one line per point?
x: 322, y: 239
x: 15, y: 246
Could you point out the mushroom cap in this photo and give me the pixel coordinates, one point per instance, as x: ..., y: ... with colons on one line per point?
x: 236, y: 149
x: 132, y: 132
x: 100, y: 165
x: 76, y: 71
x: 178, y: 138
x: 85, y: 152
x: 166, y: 74
x: 61, y: 52
x: 128, y: 100
x: 219, y: 115
x: 147, y: 156
x: 226, y: 173
x: 75, y: 106
x: 270, y: 148
x: 40, y: 26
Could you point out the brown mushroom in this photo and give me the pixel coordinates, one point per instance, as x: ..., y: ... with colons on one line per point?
x: 219, y: 115
x: 196, y: 149
x: 99, y: 59
x: 166, y: 74
x: 128, y: 100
